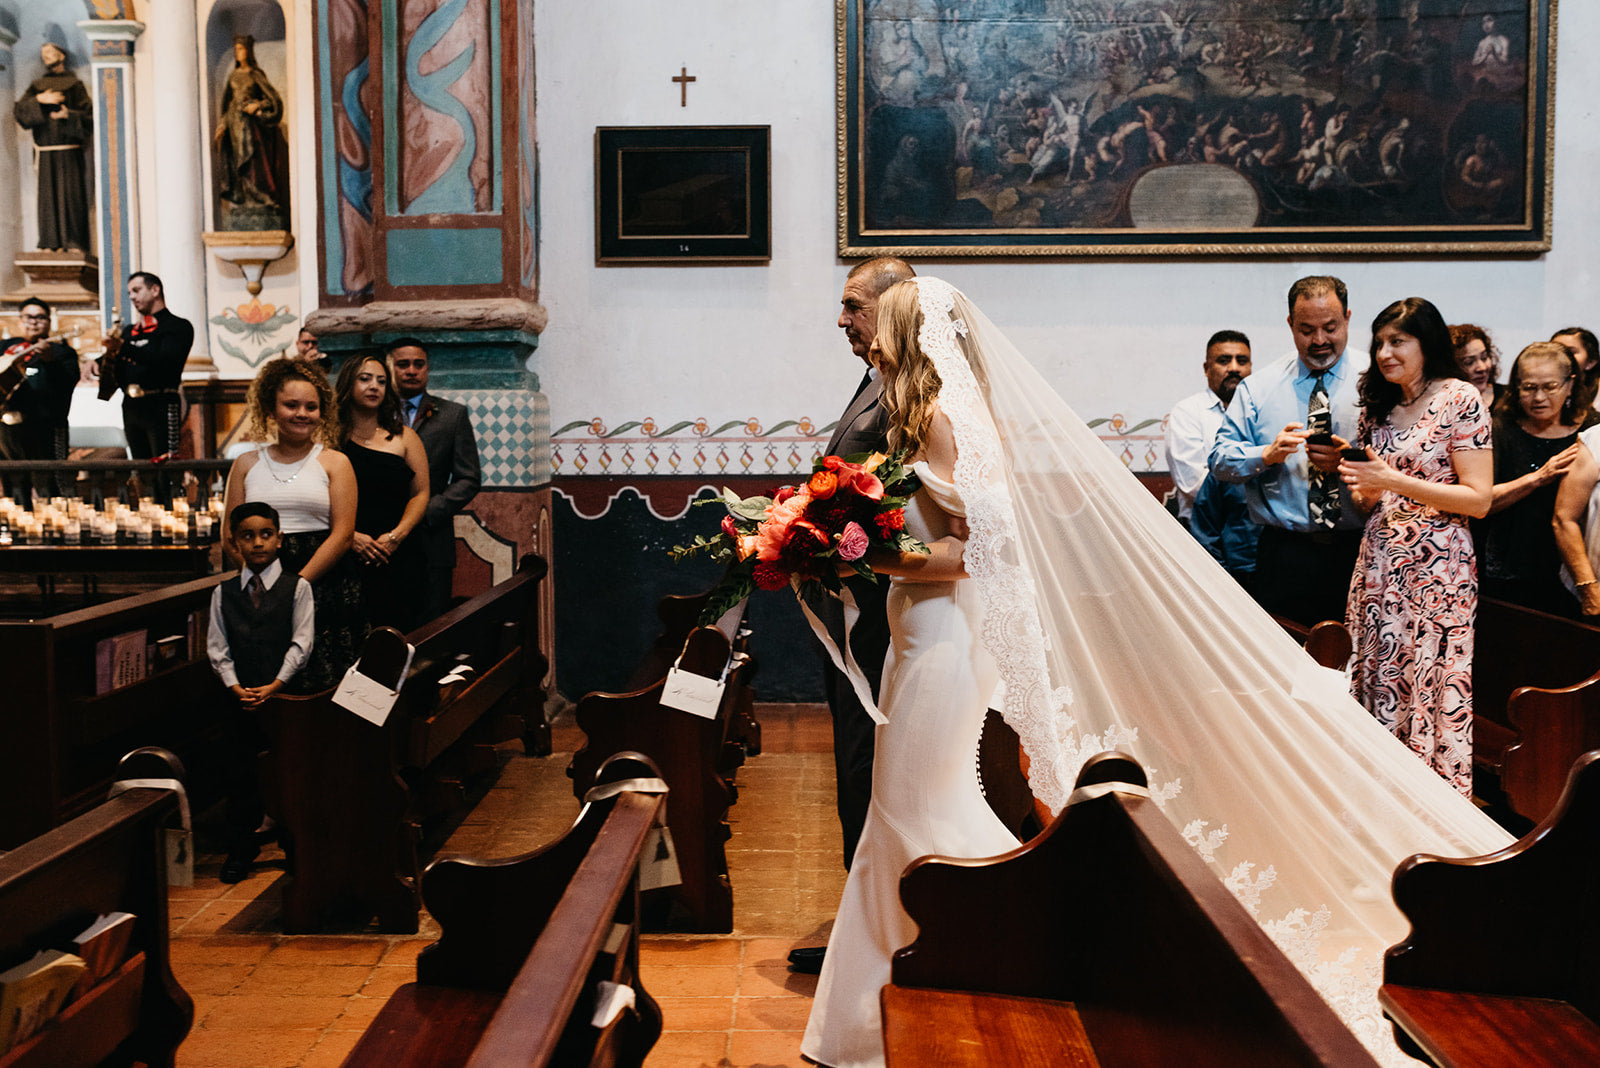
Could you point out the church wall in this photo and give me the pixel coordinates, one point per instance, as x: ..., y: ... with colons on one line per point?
x: 693, y: 371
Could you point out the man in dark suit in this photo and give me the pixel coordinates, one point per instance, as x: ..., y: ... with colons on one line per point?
x: 445, y: 428
x: 862, y: 428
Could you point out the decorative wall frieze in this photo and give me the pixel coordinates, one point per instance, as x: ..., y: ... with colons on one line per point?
x: 747, y: 448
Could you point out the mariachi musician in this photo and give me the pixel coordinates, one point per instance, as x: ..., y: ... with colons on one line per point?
x: 37, y: 377
x: 145, y: 360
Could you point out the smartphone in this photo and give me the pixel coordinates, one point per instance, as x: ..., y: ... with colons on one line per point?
x: 1355, y: 455
x: 1323, y: 438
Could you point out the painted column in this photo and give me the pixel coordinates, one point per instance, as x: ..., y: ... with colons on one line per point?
x: 10, y: 179
x: 116, y: 190
x: 179, y: 174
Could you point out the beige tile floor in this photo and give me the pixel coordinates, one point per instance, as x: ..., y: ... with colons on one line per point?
x: 264, y: 999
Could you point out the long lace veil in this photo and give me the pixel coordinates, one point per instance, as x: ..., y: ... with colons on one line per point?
x: 1114, y: 629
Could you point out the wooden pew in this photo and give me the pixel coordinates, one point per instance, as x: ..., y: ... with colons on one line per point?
x: 524, y: 943
x: 1106, y: 940
x: 697, y: 759
x: 679, y: 614
x: 1329, y: 643
x: 1499, y: 967
x: 350, y: 796
x: 111, y: 859
x: 1535, y: 701
x: 59, y: 758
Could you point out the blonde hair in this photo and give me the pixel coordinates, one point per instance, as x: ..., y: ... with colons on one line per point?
x: 911, y: 384
x: 262, y: 399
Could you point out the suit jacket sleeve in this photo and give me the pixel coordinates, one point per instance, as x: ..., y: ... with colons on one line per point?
x: 465, y: 474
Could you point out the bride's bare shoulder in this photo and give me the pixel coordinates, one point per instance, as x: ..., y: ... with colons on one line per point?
x: 939, y: 446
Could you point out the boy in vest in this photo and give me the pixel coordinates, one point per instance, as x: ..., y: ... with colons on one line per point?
x: 261, y: 633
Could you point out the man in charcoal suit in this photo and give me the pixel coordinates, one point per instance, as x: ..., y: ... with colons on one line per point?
x: 862, y: 428
x: 445, y: 428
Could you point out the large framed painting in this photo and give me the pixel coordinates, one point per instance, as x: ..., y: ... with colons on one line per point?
x: 1222, y: 127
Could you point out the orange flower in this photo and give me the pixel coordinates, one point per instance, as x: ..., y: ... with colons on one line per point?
x: 822, y: 485
x: 255, y: 311
x: 745, y: 547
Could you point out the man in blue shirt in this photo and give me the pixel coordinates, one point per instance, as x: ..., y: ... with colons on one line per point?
x: 1281, y: 438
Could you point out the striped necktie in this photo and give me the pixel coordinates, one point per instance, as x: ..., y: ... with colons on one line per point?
x: 1322, y: 492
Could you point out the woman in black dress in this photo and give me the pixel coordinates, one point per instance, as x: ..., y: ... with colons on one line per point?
x: 1535, y: 441
x: 392, y: 475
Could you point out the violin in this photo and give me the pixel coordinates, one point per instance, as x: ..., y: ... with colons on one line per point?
x: 13, y: 373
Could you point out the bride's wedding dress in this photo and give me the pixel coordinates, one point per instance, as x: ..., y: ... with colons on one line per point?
x: 1110, y: 628
x: 937, y: 683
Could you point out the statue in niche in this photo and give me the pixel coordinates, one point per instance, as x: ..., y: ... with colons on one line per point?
x: 250, y: 169
x: 55, y: 108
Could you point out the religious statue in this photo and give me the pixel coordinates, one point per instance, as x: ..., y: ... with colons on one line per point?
x: 56, y: 109
x: 250, y: 172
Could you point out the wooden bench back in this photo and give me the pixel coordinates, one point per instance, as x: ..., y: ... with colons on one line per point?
x: 1109, y: 908
x: 59, y: 758
x: 111, y: 859
x: 1523, y: 921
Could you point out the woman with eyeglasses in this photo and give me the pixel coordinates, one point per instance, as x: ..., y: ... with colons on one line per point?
x: 1535, y: 443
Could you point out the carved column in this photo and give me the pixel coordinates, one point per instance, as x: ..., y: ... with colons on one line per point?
x: 116, y: 188
x: 427, y: 217
x: 180, y: 214
x: 10, y: 178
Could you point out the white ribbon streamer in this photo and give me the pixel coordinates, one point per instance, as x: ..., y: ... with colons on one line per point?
x: 846, y: 663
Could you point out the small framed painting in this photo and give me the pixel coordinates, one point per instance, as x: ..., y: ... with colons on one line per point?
x: 683, y: 194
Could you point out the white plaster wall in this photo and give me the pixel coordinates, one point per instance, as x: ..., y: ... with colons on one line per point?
x: 1115, y: 336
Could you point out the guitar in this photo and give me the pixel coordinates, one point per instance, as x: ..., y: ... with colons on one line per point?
x: 14, y: 371
x: 107, y: 363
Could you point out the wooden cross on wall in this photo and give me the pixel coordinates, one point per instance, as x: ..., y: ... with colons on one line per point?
x: 683, y: 78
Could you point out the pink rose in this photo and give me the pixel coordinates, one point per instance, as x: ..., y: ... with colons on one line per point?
x: 729, y: 527
x: 853, y: 542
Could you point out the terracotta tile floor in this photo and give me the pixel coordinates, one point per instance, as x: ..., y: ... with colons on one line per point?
x: 264, y: 999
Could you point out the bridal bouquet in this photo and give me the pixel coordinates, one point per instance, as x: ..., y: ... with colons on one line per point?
x: 808, y: 534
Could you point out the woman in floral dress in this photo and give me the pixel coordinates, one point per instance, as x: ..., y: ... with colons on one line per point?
x: 1414, y: 595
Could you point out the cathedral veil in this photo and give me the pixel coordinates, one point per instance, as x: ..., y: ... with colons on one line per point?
x: 1113, y: 629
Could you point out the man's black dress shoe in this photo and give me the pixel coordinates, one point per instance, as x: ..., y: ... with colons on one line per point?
x: 807, y: 961
x: 237, y: 866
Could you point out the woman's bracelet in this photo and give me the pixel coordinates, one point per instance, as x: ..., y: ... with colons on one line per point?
x: 1591, y: 582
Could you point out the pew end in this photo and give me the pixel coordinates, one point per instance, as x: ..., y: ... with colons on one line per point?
x: 527, y: 944
x: 1498, y: 967
x: 1116, y: 943
x: 698, y: 758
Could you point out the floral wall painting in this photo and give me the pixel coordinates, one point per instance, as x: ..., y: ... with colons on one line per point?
x: 1223, y: 127
x: 250, y: 324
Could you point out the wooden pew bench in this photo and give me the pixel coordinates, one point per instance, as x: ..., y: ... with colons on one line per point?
x: 525, y: 943
x: 697, y: 758
x: 59, y: 758
x: 111, y: 859
x: 1535, y: 701
x: 679, y: 615
x: 351, y: 796
x: 1104, y: 941
x: 1499, y: 968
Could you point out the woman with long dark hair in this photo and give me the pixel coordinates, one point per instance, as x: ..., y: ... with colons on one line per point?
x: 1414, y: 594
x: 391, y: 472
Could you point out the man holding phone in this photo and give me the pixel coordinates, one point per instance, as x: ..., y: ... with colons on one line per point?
x: 1281, y: 438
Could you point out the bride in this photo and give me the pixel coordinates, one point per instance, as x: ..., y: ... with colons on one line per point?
x: 1059, y: 591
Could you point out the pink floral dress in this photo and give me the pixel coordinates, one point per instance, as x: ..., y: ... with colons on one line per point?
x: 1414, y: 595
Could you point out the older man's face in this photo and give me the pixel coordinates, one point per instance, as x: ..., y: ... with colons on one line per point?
x: 51, y: 54
x: 859, y: 319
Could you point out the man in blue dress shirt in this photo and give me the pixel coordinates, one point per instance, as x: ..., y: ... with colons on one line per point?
x: 1281, y: 438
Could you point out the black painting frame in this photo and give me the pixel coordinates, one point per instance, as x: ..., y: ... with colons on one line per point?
x: 735, y: 183
x: 935, y: 216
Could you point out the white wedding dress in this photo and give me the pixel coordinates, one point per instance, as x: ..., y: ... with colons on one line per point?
x: 938, y: 681
x: 1110, y: 628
